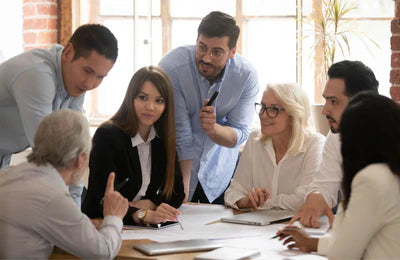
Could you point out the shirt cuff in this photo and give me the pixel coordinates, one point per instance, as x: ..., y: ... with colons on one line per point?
x: 326, y: 197
x: 112, y: 221
x: 184, y: 154
x: 239, y: 138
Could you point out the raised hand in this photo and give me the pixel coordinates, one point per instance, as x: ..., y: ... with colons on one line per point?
x: 114, y: 203
x: 207, y: 118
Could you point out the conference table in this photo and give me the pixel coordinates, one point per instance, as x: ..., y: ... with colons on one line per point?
x: 202, y: 221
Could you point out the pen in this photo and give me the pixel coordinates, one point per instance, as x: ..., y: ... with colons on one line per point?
x: 287, y: 228
x: 179, y: 222
x: 214, y: 96
x: 119, y: 186
x: 276, y: 236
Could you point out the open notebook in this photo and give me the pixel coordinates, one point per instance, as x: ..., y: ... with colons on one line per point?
x: 260, y: 217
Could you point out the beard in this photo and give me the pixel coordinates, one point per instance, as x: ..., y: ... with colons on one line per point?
x: 333, y: 129
x: 77, y: 177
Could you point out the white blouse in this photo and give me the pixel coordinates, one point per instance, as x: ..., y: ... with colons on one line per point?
x: 144, y: 151
x: 287, y: 181
x: 370, y: 227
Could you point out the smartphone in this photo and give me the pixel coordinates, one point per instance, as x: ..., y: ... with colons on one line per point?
x: 156, y: 226
x: 164, y: 224
x: 213, y: 97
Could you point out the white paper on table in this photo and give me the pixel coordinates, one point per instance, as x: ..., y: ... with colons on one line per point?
x: 323, y: 227
x: 270, y: 248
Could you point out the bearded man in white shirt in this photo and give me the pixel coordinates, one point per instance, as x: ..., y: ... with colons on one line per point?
x: 42, y: 213
x: 346, y: 78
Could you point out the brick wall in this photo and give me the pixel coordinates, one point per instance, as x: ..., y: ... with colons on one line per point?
x: 40, y: 23
x: 395, y: 46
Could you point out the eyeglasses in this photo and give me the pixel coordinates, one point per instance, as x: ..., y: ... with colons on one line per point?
x: 215, y: 54
x: 272, y: 112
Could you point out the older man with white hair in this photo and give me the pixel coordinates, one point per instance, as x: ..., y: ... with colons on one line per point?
x: 36, y: 209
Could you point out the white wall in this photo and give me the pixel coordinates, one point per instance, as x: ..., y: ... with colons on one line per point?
x: 11, y: 28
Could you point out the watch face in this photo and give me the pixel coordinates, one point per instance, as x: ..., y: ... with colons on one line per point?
x: 142, y: 214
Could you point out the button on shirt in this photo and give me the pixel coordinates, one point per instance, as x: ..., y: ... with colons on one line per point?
x: 212, y: 164
x: 144, y: 151
x: 287, y: 180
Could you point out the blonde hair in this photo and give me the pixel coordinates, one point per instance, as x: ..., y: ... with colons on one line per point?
x: 294, y: 100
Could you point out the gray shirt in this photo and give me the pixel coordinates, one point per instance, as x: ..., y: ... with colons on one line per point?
x: 35, y: 218
x: 31, y: 87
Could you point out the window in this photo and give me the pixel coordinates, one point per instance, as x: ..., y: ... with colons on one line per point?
x: 11, y: 26
x: 272, y: 38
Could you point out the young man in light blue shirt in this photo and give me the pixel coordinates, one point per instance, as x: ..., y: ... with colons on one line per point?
x: 208, y: 136
x: 38, y: 82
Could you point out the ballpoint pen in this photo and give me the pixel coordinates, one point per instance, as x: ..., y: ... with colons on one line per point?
x: 119, y: 186
x: 179, y: 222
x: 214, y: 96
x: 296, y: 226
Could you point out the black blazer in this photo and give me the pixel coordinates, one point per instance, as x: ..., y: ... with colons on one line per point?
x: 112, y: 151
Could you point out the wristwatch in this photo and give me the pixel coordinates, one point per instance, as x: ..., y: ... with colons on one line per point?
x: 141, y: 215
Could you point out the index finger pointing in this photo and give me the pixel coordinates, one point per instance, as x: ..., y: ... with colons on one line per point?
x: 110, y: 183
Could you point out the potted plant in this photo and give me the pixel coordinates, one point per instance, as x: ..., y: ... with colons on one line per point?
x: 332, y: 28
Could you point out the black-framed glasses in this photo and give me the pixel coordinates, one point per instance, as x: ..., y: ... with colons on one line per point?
x: 272, y: 112
x: 214, y: 54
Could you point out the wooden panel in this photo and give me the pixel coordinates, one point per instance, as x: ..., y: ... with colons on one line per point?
x: 65, y: 21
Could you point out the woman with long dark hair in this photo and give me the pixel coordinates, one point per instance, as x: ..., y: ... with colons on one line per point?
x: 138, y: 144
x: 368, y: 222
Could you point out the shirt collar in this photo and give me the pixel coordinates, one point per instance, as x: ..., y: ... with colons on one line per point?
x: 268, y: 144
x: 137, y: 139
x: 61, y: 88
x: 51, y: 171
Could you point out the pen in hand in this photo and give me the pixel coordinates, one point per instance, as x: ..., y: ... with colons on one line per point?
x: 214, y: 96
x: 179, y: 222
x: 119, y: 186
x: 295, y: 227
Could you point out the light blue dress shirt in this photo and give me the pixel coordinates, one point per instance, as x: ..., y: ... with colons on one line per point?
x: 31, y: 87
x: 212, y: 164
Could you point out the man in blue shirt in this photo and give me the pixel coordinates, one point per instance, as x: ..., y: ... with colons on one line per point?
x: 208, y: 137
x: 38, y: 82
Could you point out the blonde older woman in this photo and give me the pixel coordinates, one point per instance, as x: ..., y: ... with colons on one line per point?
x: 278, y: 163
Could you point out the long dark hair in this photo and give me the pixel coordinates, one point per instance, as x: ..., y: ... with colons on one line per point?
x: 126, y: 119
x: 370, y: 133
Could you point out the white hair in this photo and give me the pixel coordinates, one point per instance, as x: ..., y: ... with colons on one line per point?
x: 60, y: 138
x: 295, y: 102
